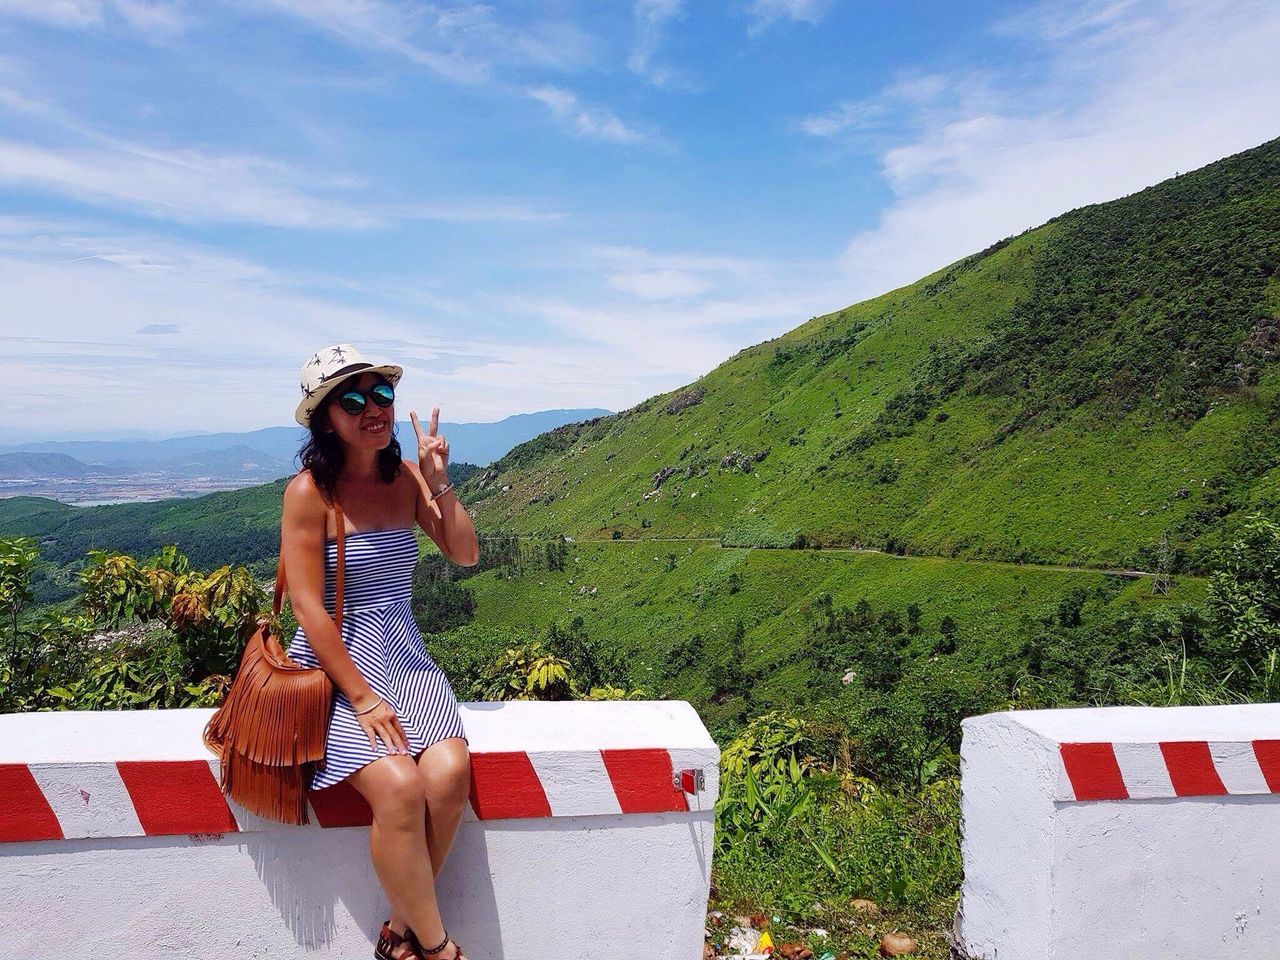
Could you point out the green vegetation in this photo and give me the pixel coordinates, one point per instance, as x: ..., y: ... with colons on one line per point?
x: 144, y: 634
x: 228, y: 527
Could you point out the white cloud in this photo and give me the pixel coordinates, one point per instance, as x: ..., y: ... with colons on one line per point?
x: 196, y: 186
x: 1058, y: 21
x: 147, y: 18
x: 660, y: 284
x: 710, y: 305
x: 462, y: 43
x: 637, y: 258
x: 183, y: 185
x: 127, y: 317
x: 652, y: 18
x: 676, y: 276
x: 593, y: 123
x: 1133, y: 93
x: 913, y: 96
x: 151, y: 18
x: 765, y: 13
x: 61, y: 13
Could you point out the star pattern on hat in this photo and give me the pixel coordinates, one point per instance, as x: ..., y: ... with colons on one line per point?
x: 335, y: 358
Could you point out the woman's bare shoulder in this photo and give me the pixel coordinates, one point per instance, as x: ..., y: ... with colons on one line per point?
x: 302, y: 495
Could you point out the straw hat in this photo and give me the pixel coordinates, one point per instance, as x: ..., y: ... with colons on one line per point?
x: 325, y: 370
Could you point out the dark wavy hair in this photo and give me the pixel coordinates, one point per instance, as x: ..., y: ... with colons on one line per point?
x: 322, y: 452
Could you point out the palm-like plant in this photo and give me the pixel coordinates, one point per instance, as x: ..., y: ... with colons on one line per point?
x: 527, y: 673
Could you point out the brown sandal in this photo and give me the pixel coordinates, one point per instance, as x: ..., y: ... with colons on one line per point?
x: 389, y: 940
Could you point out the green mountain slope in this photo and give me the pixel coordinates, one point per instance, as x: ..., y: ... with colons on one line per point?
x: 1070, y: 395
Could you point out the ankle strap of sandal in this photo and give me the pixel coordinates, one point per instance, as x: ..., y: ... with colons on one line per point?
x: 443, y: 943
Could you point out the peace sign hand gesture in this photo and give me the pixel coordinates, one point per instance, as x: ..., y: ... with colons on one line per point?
x: 433, y: 451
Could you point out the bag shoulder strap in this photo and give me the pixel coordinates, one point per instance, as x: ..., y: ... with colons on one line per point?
x: 281, y: 584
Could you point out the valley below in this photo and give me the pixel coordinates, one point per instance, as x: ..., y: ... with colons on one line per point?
x: 98, y: 491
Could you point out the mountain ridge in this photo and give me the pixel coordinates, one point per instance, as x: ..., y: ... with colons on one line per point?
x: 475, y: 442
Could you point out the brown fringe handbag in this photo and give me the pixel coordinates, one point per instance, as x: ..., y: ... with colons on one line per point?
x: 270, y: 732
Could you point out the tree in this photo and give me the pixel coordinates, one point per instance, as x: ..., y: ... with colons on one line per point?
x: 17, y: 558
x: 947, y: 630
x: 728, y: 676
x: 913, y: 619
x: 1243, y: 605
x: 593, y: 664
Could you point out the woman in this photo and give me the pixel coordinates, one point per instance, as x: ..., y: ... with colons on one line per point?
x: 395, y: 731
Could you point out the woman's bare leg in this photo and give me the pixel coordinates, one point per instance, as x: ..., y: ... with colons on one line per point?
x: 446, y: 770
x: 394, y: 789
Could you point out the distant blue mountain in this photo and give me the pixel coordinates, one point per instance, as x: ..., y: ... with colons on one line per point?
x: 478, y: 443
x: 34, y: 465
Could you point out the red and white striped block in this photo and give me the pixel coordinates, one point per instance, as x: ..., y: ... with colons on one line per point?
x: 1171, y: 768
x: 125, y: 798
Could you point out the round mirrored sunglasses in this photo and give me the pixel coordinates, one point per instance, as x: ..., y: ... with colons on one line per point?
x: 353, y: 401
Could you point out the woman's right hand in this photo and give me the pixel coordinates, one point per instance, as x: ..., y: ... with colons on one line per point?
x: 381, y: 722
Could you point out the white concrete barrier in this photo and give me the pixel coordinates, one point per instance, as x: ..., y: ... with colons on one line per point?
x: 1124, y: 832
x: 115, y: 841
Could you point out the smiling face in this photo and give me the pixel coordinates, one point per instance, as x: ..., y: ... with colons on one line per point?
x: 371, y: 427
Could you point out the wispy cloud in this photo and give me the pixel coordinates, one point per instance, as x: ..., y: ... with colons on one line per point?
x: 908, y: 91
x: 591, y: 122
x: 148, y: 18
x: 468, y: 44
x: 1133, y: 93
x: 191, y: 185
x: 652, y: 18
x: 660, y: 284
x: 463, y: 43
x: 1059, y: 21
x: 178, y: 312
x: 475, y: 211
x: 674, y: 276
x: 765, y: 13
x: 184, y: 185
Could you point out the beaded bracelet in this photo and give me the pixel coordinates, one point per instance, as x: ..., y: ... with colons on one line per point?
x: 443, y: 490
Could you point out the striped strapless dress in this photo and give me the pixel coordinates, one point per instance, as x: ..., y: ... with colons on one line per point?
x: 382, y: 637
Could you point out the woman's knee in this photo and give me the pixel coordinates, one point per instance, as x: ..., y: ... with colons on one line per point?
x: 446, y: 768
x: 393, y: 788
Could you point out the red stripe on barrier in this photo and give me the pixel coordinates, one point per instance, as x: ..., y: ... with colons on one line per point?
x: 340, y: 805
x: 24, y: 812
x: 176, y: 796
x: 1093, y: 771
x: 504, y: 784
x: 1268, y: 754
x: 642, y: 780
x: 1191, y: 769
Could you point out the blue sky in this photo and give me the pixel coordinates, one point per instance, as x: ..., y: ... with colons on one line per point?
x: 545, y: 204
